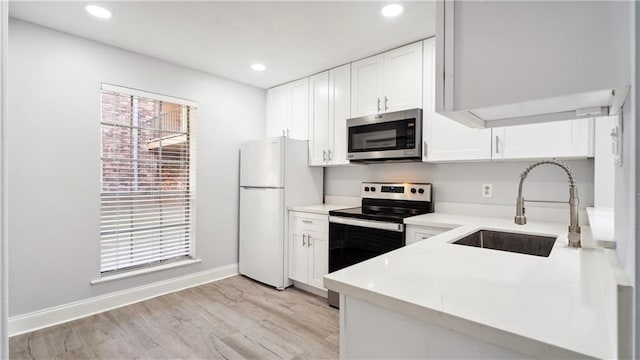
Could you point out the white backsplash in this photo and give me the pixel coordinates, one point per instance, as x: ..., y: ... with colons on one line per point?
x: 462, y: 182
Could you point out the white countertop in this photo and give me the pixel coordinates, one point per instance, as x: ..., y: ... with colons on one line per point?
x: 547, y: 307
x: 601, y: 222
x: 322, y: 209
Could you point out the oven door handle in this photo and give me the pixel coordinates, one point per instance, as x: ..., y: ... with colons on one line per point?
x: 367, y: 223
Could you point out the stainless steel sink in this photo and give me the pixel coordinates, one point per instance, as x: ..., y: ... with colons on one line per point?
x: 512, y: 242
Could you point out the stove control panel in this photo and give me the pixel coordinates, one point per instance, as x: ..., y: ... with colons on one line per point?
x: 396, y: 191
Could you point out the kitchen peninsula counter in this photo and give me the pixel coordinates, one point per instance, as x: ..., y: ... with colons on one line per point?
x: 474, y: 302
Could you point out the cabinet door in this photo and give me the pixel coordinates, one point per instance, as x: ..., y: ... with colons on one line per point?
x: 319, y: 119
x: 299, y: 110
x: 318, y: 258
x: 366, y: 86
x: 445, y: 139
x: 339, y: 112
x: 277, y: 110
x: 403, y: 78
x: 415, y: 234
x: 299, y: 264
x: 563, y: 139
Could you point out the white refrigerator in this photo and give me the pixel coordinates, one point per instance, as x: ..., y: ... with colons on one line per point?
x: 274, y: 174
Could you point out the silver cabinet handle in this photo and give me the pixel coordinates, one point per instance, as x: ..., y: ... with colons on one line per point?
x: 386, y: 107
x: 307, y: 221
x: 497, y: 144
x: 378, y: 104
x: 304, y: 239
x: 424, y: 149
x: 308, y: 240
x: 324, y: 155
x: 330, y: 154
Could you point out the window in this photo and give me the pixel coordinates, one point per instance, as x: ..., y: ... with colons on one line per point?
x: 147, y: 196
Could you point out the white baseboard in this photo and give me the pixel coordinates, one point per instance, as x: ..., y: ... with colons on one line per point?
x: 21, y: 324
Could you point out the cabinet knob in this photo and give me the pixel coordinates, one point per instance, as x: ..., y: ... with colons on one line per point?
x: 330, y: 154
x: 386, y: 107
x: 308, y: 240
x: 324, y: 155
x: 378, y: 104
x: 304, y: 239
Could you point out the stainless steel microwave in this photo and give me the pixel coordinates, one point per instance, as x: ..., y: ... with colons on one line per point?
x: 390, y: 136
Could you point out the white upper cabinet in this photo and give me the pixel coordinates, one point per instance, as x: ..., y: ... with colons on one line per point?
x: 445, y: 139
x: 505, y: 63
x: 403, y: 78
x: 339, y: 112
x: 299, y: 120
x: 562, y: 139
x: 288, y: 110
x: 329, y: 109
x: 387, y: 82
x: 366, y: 86
x: 318, y: 118
x: 278, y: 99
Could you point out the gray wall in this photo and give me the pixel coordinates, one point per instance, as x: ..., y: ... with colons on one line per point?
x: 4, y: 258
x: 462, y: 182
x: 54, y: 161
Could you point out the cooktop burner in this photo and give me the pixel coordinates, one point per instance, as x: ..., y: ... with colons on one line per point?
x: 394, y: 215
x: 390, y: 202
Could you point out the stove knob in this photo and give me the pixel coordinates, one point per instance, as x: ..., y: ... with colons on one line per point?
x: 421, y: 191
x: 413, y: 190
x: 366, y: 188
x: 373, y: 188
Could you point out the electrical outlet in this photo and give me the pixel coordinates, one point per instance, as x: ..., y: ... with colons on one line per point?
x: 487, y: 190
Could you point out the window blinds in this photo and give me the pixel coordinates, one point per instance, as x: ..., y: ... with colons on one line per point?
x: 147, y: 180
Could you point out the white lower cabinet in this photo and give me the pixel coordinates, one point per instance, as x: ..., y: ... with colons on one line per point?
x: 416, y: 233
x: 309, y: 248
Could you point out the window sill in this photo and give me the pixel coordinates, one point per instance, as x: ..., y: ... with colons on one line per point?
x: 129, y: 274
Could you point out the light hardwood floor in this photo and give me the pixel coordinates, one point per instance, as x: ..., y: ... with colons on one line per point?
x: 234, y: 318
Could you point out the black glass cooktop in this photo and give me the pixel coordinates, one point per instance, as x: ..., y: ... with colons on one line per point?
x: 380, y: 213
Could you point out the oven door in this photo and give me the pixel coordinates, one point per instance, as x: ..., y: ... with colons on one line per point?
x: 353, y: 240
x: 388, y: 136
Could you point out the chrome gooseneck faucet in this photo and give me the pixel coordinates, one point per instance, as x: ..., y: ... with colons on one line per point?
x: 574, y: 228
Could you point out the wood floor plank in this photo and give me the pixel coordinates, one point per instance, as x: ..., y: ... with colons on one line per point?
x: 235, y: 318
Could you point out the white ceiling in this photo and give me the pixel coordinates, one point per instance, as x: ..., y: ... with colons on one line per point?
x: 293, y: 39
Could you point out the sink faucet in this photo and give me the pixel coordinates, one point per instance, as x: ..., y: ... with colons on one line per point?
x: 574, y: 228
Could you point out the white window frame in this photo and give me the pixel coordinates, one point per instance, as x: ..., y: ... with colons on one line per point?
x: 135, y: 271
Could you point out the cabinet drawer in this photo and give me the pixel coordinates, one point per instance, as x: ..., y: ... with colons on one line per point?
x: 418, y: 233
x: 301, y: 222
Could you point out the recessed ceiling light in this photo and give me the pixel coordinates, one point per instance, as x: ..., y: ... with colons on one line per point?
x: 392, y: 10
x: 98, y: 11
x: 258, y: 67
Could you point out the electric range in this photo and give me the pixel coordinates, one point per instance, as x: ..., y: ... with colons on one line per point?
x: 375, y: 228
